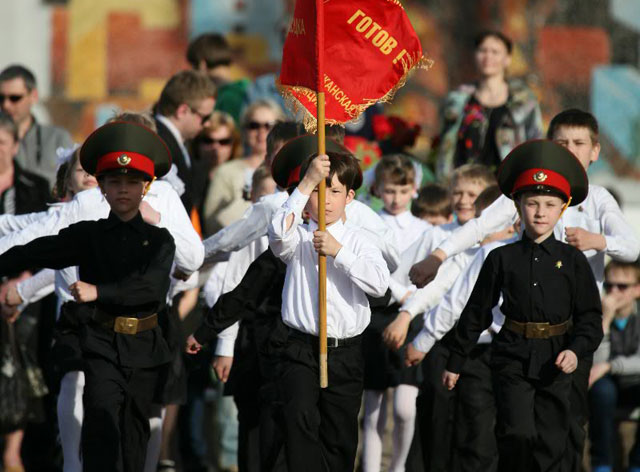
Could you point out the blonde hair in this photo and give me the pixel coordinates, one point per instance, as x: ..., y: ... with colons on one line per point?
x: 261, y: 103
x: 219, y: 119
x: 475, y: 173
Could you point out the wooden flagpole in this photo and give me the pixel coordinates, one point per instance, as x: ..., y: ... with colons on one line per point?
x: 322, y: 260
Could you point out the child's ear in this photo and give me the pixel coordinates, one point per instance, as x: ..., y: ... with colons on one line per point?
x: 350, y: 195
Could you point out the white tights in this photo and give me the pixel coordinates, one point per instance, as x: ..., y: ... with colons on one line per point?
x: 375, y: 420
x: 70, y: 415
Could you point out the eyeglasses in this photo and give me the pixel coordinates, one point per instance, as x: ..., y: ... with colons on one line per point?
x: 11, y: 97
x: 256, y: 125
x: 203, y: 117
x: 221, y: 142
x: 622, y: 287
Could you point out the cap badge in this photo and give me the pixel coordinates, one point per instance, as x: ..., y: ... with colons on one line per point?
x: 558, y: 264
x: 540, y: 176
x: 123, y: 160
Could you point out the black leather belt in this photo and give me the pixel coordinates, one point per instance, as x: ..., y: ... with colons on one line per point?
x: 536, y: 330
x: 331, y: 342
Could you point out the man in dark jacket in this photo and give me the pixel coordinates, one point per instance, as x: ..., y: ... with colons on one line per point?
x: 615, y: 375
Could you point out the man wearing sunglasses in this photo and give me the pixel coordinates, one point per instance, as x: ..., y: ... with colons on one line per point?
x: 38, y: 142
x: 615, y: 375
x: 185, y: 104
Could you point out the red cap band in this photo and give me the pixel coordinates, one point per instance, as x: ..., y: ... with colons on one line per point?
x: 125, y: 160
x: 543, y: 178
x: 294, y: 176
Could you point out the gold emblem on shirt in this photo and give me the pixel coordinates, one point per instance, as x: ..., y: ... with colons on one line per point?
x: 540, y: 176
x: 123, y: 160
x: 558, y: 264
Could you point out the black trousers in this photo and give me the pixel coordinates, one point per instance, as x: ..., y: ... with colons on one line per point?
x: 434, y: 412
x: 579, y: 401
x: 533, y: 418
x: 475, y: 447
x: 321, y: 425
x: 117, y: 406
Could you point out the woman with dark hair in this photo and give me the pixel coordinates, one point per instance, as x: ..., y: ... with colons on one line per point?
x: 483, y: 121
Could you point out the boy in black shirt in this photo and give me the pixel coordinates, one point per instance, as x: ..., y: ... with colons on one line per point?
x: 124, y: 267
x: 552, y: 309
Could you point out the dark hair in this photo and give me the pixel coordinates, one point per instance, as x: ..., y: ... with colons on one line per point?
x: 7, y: 124
x: 212, y: 48
x: 187, y: 86
x: 479, y: 39
x: 433, y: 200
x: 614, y: 264
x: 395, y: 169
x: 261, y: 173
x: 346, y: 167
x: 59, y: 190
x: 486, y: 198
x: 335, y: 132
x: 283, y: 131
x: 16, y: 71
x: 574, y: 118
x: 139, y: 118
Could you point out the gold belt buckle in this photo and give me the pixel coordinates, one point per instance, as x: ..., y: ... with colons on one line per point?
x: 126, y: 325
x: 537, y: 330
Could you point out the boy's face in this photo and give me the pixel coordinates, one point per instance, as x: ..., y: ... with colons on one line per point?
x: 337, y: 199
x: 622, y: 283
x: 396, y: 198
x: 437, y: 220
x: 539, y: 213
x: 463, y: 197
x: 123, y: 193
x: 578, y: 141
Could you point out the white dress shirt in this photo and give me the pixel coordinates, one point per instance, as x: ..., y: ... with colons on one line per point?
x: 255, y: 222
x: 407, y: 229
x: 429, y: 296
x: 440, y: 319
x: 598, y: 213
x: 357, y: 270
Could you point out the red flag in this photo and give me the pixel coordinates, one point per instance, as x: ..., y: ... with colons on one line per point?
x: 361, y: 56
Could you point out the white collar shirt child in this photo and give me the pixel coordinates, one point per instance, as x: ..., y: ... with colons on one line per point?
x: 357, y: 270
x: 407, y: 228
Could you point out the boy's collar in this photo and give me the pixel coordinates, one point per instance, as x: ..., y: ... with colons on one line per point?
x: 136, y: 222
x: 549, y: 244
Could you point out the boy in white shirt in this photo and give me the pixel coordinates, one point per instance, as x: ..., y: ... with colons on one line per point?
x: 321, y: 425
x: 395, y: 185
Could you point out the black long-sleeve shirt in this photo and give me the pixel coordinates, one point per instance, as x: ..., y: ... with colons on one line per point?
x: 129, y: 263
x: 547, y: 282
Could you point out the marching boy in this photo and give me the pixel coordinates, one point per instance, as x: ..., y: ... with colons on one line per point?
x: 124, y: 268
x: 551, y: 306
x: 321, y: 425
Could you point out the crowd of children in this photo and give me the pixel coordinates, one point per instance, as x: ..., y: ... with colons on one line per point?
x: 477, y: 312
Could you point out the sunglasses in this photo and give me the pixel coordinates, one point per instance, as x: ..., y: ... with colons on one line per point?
x: 622, y: 287
x: 221, y: 142
x: 203, y: 117
x: 255, y: 125
x: 11, y: 98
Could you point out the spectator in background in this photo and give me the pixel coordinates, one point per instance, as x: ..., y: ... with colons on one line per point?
x: 38, y: 142
x: 185, y: 104
x: 217, y: 143
x: 210, y: 53
x: 228, y: 195
x: 615, y: 375
x: 483, y: 121
x: 22, y: 192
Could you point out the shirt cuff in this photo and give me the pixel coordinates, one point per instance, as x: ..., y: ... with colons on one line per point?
x: 108, y: 293
x: 297, y: 201
x: 344, y: 259
x: 411, y: 306
x: 446, y: 247
x: 204, y: 334
x: 224, y: 347
x: 423, y: 342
